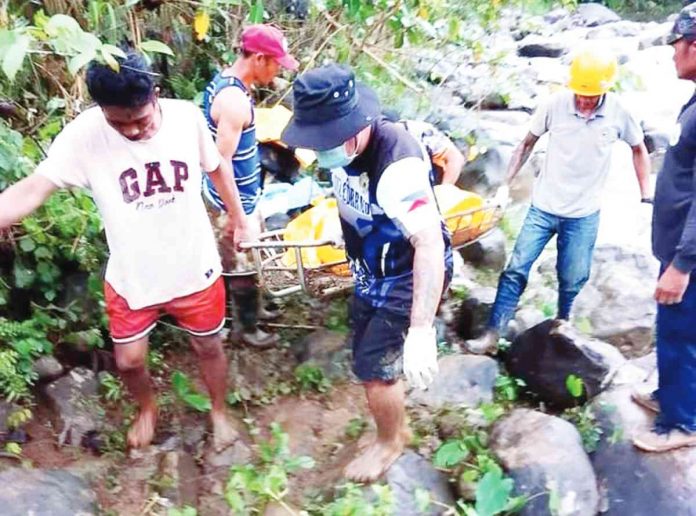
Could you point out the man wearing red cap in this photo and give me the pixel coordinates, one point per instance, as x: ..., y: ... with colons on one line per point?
x: 228, y: 108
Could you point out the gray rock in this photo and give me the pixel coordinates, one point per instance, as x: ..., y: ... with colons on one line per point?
x: 75, y: 402
x: 618, y: 298
x: 473, y: 313
x: 527, y: 318
x: 327, y: 350
x: 6, y: 410
x: 488, y: 251
x: 593, y: 14
x: 48, y: 368
x: 635, y: 482
x: 545, y: 355
x: 620, y: 29
x: 410, y: 473
x: 537, y: 46
x: 544, y: 453
x: 238, y: 453
x: 463, y: 381
x: 556, y: 15
x: 45, y: 493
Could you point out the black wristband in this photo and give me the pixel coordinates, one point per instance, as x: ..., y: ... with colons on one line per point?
x: 647, y: 200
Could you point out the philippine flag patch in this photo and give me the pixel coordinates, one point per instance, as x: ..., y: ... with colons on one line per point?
x: 416, y: 201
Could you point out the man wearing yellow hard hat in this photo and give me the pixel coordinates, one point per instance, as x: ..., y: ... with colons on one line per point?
x: 583, y: 123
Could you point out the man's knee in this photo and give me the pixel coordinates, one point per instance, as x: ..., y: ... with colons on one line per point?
x: 207, y: 347
x: 130, y: 357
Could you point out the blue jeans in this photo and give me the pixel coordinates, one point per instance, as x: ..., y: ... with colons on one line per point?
x: 576, y: 240
x: 676, y: 363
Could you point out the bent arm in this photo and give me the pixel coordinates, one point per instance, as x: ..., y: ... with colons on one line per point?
x: 521, y: 155
x: 428, y: 274
x: 451, y: 161
x: 641, y: 164
x: 23, y: 197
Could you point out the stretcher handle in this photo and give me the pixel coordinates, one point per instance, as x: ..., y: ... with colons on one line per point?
x: 261, y: 244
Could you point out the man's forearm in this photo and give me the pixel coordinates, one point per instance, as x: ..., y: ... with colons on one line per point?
x: 22, y: 198
x: 519, y: 158
x: 641, y: 163
x: 223, y: 179
x: 428, y: 276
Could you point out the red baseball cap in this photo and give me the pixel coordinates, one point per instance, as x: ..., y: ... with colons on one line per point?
x: 268, y: 40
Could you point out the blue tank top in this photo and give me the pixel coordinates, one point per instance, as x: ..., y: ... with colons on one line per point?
x: 245, y: 161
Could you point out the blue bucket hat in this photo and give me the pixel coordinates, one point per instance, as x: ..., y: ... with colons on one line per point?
x: 329, y: 108
x: 684, y: 25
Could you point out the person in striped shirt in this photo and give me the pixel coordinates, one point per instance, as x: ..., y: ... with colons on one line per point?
x: 229, y: 112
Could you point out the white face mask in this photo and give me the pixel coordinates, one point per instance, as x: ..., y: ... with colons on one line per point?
x: 336, y: 157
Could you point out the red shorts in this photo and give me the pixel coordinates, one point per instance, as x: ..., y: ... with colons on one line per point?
x: 201, y: 314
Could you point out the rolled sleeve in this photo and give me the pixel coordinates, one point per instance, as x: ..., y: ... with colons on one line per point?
x: 405, y: 194
x: 62, y: 165
x: 540, y: 120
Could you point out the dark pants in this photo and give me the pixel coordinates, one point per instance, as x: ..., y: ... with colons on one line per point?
x: 576, y: 240
x: 676, y: 362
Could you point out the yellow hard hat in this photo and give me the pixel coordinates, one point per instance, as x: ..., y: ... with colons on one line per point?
x: 592, y: 73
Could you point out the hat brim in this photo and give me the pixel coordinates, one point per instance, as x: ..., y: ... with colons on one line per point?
x: 332, y: 133
x: 288, y: 62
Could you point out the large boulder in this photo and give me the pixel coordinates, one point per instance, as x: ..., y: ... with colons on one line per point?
x: 544, y: 454
x: 472, y: 317
x: 635, y: 482
x: 463, y: 380
x: 410, y: 473
x: 47, y: 368
x: 74, y: 400
x: 618, y: 298
x: 45, y: 493
x: 594, y: 14
x: 547, y: 354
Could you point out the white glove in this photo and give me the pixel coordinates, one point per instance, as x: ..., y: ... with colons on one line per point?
x: 502, y: 196
x: 420, y: 356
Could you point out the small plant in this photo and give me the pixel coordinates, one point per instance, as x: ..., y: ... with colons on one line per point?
x: 477, y: 465
x: 186, y: 510
x: 352, y: 501
x: 355, y: 428
x: 337, y: 316
x: 112, y: 388
x: 252, y: 486
x: 507, y: 388
x: 184, y: 390
x: 311, y: 378
x: 19, y: 417
x: 585, y: 421
x: 459, y: 292
x: 13, y: 449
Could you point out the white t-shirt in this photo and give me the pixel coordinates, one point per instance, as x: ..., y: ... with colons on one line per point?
x: 148, y: 192
x: 578, y: 155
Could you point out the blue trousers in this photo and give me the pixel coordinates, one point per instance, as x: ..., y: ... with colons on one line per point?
x: 676, y: 363
x: 576, y: 240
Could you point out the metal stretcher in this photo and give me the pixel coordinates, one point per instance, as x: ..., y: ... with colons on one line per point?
x: 278, y: 279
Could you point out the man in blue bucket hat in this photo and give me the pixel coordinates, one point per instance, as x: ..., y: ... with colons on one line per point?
x: 396, y: 242
x: 674, y: 245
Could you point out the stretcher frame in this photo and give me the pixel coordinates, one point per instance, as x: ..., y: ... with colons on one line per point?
x: 269, y: 250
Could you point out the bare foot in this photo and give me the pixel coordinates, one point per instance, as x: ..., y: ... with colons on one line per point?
x: 224, y: 433
x: 376, y: 459
x: 142, y: 430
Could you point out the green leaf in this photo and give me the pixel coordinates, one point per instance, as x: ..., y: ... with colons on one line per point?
x: 450, y: 454
x: 110, y: 60
x: 575, y: 385
x: 256, y: 12
x: 61, y: 23
x: 23, y: 277
x: 27, y: 245
x: 113, y: 50
x: 80, y: 60
x: 492, y: 493
x: 157, y: 47
x: 14, y: 56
